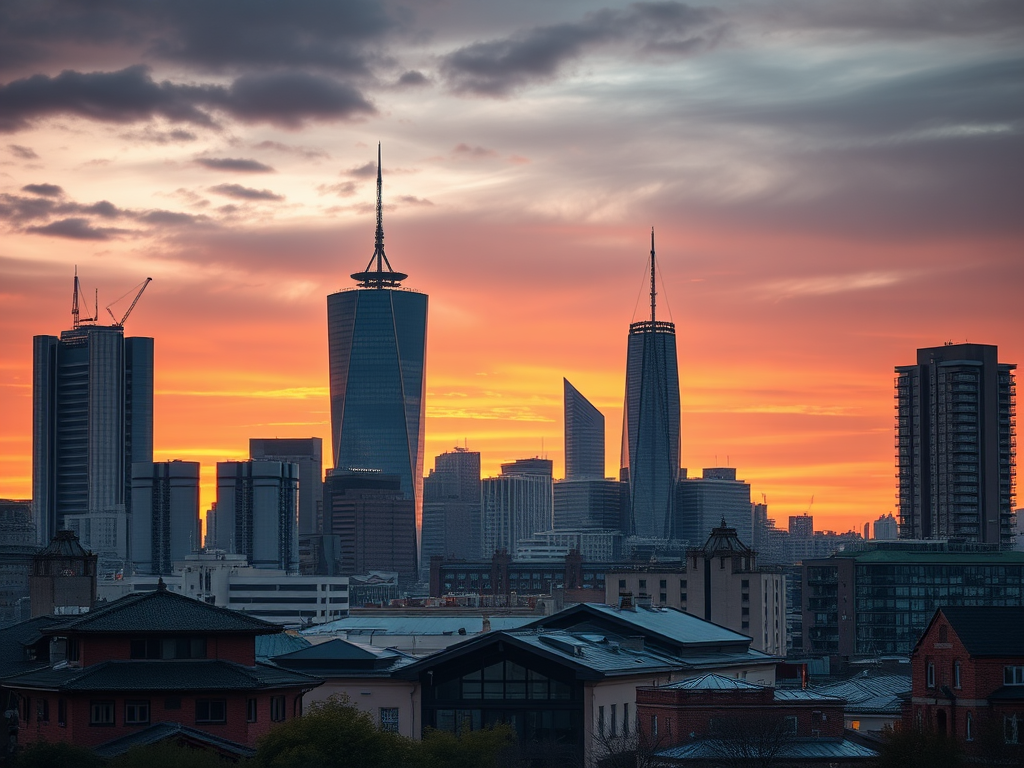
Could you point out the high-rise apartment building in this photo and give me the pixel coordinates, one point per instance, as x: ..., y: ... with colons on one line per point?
x: 451, y: 507
x: 650, y: 429
x: 801, y: 526
x: 377, y: 337
x: 702, y: 503
x: 308, y: 453
x: 516, y: 504
x: 92, y: 416
x: 955, y: 453
x: 257, y: 512
x: 584, y: 436
x: 165, y: 525
x: 886, y: 528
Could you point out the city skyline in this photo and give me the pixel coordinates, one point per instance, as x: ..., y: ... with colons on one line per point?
x: 831, y: 191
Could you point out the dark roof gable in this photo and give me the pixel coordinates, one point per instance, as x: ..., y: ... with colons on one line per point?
x: 988, y: 630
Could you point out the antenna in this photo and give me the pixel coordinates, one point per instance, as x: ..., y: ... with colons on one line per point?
x: 375, y: 275
x: 653, y: 288
x: 74, y: 301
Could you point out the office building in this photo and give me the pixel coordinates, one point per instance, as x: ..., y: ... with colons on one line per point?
x: 584, y: 436
x: 594, y: 546
x: 878, y: 597
x: 377, y: 334
x: 801, y: 526
x: 17, y: 547
x: 702, y: 503
x: 165, y: 514
x: 307, y: 453
x: 955, y: 452
x: 92, y: 417
x: 257, y: 503
x: 451, y: 507
x: 650, y: 429
x: 516, y: 504
x: 596, y: 504
x: 375, y: 523
x: 886, y: 528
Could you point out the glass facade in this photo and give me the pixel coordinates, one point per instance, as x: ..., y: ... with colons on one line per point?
x: 584, y: 436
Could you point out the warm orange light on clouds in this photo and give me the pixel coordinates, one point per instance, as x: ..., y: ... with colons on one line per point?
x: 830, y: 192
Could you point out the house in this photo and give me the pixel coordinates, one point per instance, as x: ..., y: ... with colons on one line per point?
x: 873, y: 702
x: 968, y: 679
x: 711, y: 718
x: 567, y: 683
x: 146, y: 661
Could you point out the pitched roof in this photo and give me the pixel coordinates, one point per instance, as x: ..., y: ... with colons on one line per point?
x: 269, y: 646
x: 162, y: 731
x: 340, y: 658
x: 164, y: 611
x: 988, y: 630
x: 879, y: 694
x: 415, y: 625
x: 798, y: 749
x: 64, y: 544
x: 17, y: 639
x: 713, y: 682
x: 192, y: 675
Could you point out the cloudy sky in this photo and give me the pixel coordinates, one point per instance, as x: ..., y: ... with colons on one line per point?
x: 833, y: 185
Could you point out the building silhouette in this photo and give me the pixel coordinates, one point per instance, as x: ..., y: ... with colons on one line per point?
x: 451, y: 507
x: 92, y: 417
x: 257, y: 512
x: 650, y: 430
x: 308, y: 453
x: 955, y: 454
x: 516, y: 504
x: 703, y: 503
x: 377, y: 334
x: 165, y: 525
x: 886, y: 528
x: 584, y: 436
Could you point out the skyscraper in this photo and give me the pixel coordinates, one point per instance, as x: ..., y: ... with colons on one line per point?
x: 165, y: 525
x: 650, y: 428
x: 702, y: 503
x: 451, y: 507
x: 377, y: 334
x: 308, y: 453
x: 955, y: 454
x: 516, y: 504
x: 584, y: 436
x: 257, y: 512
x: 92, y: 416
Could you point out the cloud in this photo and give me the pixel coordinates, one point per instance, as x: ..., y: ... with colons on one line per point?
x: 310, y: 153
x: 286, y: 99
x: 25, y: 153
x: 499, y: 67
x: 245, y: 193
x: 45, y: 190
x: 829, y: 284
x: 170, y: 218
x: 413, y: 200
x: 243, y: 165
x: 367, y: 171
x: 76, y: 229
x: 342, y: 189
x: 150, y: 134
x: 476, y: 152
x: 413, y: 79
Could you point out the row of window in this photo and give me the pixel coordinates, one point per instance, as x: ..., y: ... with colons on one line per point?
x: 102, y: 712
x: 612, y: 731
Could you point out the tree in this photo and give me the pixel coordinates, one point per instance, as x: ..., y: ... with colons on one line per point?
x: 917, y: 748
x: 753, y: 740
x: 43, y: 754
x: 169, y: 754
x: 471, y: 749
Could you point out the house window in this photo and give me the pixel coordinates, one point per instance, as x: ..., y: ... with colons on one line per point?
x: 622, y: 583
x: 101, y: 713
x: 42, y: 710
x: 277, y: 708
x: 682, y: 597
x: 26, y: 708
x: 615, y: 721
x: 1011, y: 729
x: 663, y: 597
x: 855, y: 725
x: 62, y: 713
x: 789, y: 726
x: 211, y: 711
x: 663, y: 584
x: 389, y: 719
x: 136, y: 713
x: 956, y: 674
x: 643, y: 583
x: 250, y: 711
x: 969, y: 727
x: 931, y: 674
x: 654, y: 726
x: 600, y: 721
x: 168, y: 648
x: 1013, y: 675
x: 625, y: 719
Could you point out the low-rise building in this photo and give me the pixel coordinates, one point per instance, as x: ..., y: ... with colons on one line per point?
x: 873, y: 702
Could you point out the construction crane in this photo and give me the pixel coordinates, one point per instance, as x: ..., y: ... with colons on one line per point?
x: 141, y: 287
x: 75, y: 314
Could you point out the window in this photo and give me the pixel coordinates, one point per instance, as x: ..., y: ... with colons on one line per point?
x: 790, y: 725
x: 654, y: 726
x: 855, y: 725
x: 969, y: 727
x: 663, y: 584
x: 168, y: 648
x: 682, y: 583
x: 943, y: 633
x: 1013, y: 675
x: 643, y: 583
x: 136, y: 713
x: 250, y: 711
x: 622, y: 583
x: 101, y: 713
x: 42, y: 710
x: 931, y: 675
x: 956, y: 673
x: 26, y: 709
x: 389, y: 719
x: 600, y: 721
x: 62, y: 713
x: 1011, y: 729
x: 625, y: 719
x: 663, y: 598
x: 277, y: 709
x: 745, y: 584
x: 682, y: 597
x: 615, y: 721
x: 211, y: 711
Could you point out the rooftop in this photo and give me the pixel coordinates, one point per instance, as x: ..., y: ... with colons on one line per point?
x: 988, y: 630
x: 415, y: 625
x: 798, y: 749
x: 865, y: 694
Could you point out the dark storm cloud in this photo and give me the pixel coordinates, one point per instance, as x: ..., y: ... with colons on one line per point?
x: 227, y: 35
x: 46, y: 190
x: 25, y: 153
x: 245, y: 193
x: 286, y: 99
x: 413, y: 78
x: 498, y: 67
x: 76, y: 229
x: 244, y: 165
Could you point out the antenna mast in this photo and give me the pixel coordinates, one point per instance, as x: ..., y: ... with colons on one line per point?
x: 74, y: 303
x: 653, y: 292
x: 382, y: 275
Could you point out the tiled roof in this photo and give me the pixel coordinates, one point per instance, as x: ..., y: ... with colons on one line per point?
x: 162, y: 731
x: 415, y: 625
x: 164, y: 611
x: 988, y: 631
x: 879, y: 694
x: 340, y: 658
x: 798, y: 749
x: 269, y: 646
x: 64, y: 544
x: 193, y: 675
x: 15, y: 639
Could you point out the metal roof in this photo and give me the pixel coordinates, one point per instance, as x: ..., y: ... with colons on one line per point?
x: 160, y: 731
x: 416, y: 625
x: 879, y: 694
x: 798, y: 749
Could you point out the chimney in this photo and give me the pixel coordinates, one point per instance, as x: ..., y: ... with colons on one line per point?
x: 486, y: 625
x: 626, y: 601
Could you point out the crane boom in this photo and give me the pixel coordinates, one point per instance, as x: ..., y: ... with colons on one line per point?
x: 135, y: 301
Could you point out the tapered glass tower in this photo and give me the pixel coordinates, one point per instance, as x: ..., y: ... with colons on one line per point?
x: 377, y: 334
x: 650, y: 428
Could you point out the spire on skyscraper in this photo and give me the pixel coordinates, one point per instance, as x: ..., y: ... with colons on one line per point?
x: 376, y: 276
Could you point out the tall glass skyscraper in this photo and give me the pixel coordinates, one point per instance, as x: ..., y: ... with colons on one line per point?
x: 650, y: 428
x: 584, y: 436
x: 377, y: 334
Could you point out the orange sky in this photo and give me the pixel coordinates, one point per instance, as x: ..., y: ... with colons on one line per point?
x: 829, y: 194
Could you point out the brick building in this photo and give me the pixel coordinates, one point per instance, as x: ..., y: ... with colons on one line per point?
x: 144, y: 662
x: 712, y: 718
x: 968, y: 680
